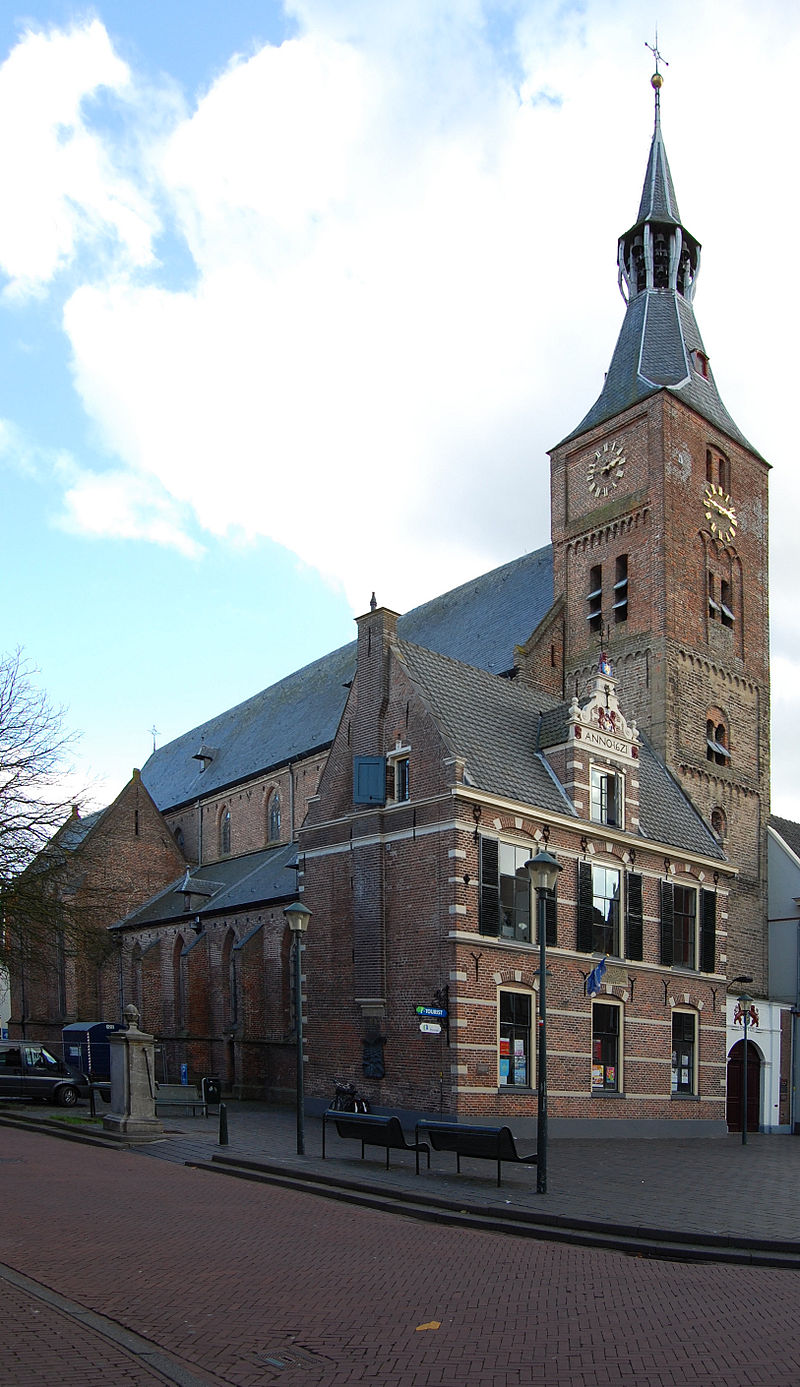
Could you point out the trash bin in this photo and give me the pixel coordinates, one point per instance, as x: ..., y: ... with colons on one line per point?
x: 211, y: 1090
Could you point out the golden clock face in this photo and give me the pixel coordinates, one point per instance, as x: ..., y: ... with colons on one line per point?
x: 720, y: 513
x: 606, y: 468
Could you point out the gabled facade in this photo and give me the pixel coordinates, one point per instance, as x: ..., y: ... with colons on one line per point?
x: 67, y: 968
x: 441, y: 782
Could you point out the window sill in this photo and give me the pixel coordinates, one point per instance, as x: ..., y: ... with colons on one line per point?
x: 515, y: 1088
x: 606, y: 1093
x: 684, y: 1097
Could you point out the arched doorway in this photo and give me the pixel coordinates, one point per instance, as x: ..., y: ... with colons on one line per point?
x: 736, y: 1085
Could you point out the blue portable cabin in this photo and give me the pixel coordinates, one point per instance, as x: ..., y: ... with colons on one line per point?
x: 86, y: 1047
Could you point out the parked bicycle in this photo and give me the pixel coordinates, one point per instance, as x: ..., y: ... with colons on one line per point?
x: 348, y: 1099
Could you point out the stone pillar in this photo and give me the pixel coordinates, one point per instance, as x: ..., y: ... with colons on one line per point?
x: 133, y: 1084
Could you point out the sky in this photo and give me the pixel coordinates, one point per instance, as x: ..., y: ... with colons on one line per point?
x: 295, y: 297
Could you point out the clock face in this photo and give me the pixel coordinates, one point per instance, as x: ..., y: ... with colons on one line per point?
x: 720, y: 513
x: 606, y: 468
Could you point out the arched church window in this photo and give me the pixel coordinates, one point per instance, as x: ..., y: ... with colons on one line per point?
x: 225, y: 833
x: 717, y: 746
x: 719, y: 822
x: 274, y: 826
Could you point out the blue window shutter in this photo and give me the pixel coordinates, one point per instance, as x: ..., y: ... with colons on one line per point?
x: 369, y: 779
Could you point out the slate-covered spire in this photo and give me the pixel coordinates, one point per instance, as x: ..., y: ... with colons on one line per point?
x: 659, y: 346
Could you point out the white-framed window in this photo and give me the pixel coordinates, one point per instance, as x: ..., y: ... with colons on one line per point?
x: 515, y: 1057
x: 688, y: 926
x: 606, y: 797
x: 607, y: 1027
x: 684, y: 1052
x: 398, y: 774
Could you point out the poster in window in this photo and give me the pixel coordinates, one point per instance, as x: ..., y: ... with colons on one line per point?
x: 505, y: 1045
x: 520, y: 1063
x: 597, y: 1051
x: 597, y: 1076
x: 504, y: 1069
x: 611, y: 1076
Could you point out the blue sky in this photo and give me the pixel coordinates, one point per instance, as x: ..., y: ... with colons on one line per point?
x: 293, y: 300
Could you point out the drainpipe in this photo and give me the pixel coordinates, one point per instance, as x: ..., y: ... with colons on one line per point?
x: 291, y: 802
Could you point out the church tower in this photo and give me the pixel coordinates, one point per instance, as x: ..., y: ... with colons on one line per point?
x: 659, y: 530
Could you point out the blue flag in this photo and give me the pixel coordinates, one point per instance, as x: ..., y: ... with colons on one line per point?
x: 596, y: 976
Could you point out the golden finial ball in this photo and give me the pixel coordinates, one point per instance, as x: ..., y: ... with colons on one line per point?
x: 656, y: 81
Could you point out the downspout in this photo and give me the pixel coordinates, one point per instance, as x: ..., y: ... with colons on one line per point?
x: 291, y: 802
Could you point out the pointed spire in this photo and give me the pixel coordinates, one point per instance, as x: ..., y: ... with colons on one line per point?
x: 659, y: 346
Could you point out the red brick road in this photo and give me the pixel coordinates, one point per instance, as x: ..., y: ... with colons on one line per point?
x: 244, y: 1284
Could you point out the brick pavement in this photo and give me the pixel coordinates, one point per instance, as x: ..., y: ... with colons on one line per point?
x: 245, y: 1284
x: 691, y: 1185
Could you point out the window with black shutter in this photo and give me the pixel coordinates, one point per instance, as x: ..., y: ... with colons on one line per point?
x: 634, y: 916
x: 667, y: 914
x: 584, y: 940
x: 489, y: 913
x: 708, y: 931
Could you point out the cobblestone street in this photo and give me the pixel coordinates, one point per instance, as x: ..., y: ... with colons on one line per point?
x: 194, y: 1279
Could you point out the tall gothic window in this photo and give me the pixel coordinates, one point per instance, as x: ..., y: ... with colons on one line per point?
x: 275, y: 818
x: 225, y: 833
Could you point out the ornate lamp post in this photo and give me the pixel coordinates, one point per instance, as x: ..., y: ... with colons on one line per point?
x: 297, y: 917
x: 543, y: 870
x: 745, y: 1002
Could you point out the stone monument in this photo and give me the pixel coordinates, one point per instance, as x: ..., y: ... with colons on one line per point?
x: 133, y: 1084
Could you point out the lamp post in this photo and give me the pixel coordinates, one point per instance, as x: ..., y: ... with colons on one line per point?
x: 543, y: 870
x: 744, y: 1001
x: 297, y: 917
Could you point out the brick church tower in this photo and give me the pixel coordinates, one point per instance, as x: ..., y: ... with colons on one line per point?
x: 659, y: 529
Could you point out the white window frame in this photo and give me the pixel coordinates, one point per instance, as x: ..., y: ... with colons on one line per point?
x: 620, y: 1070
x: 502, y: 1083
x: 685, y: 1011
x: 598, y: 776
x: 394, y: 758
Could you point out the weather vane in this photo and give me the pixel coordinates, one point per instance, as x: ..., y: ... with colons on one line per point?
x: 659, y: 57
x: 154, y: 731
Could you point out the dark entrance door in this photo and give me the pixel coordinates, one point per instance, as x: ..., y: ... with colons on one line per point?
x: 736, y: 1086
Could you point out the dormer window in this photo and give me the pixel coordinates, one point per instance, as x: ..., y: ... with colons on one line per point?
x: 205, y: 756
x: 605, y: 797
x: 701, y: 364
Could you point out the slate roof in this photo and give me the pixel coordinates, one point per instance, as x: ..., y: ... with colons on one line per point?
x: 789, y: 832
x: 236, y: 883
x: 496, y: 725
x: 72, y: 833
x: 479, y: 622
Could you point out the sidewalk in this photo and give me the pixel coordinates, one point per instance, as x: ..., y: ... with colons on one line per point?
x: 693, y: 1187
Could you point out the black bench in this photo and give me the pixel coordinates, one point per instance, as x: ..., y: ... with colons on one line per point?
x: 373, y: 1130
x: 485, y: 1143
x: 185, y: 1096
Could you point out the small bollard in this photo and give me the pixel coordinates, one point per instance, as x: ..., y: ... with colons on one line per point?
x: 223, y: 1125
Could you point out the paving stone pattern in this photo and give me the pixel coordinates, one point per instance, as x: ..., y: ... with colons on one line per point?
x: 246, y: 1284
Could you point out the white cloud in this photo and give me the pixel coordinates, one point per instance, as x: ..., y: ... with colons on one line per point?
x: 59, y: 188
x: 402, y: 233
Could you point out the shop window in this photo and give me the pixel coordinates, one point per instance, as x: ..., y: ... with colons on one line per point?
x: 684, y: 1048
x: 595, y: 597
x: 621, y: 588
x: 606, y: 1050
x: 514, y: 1059
x: 688, y: 927
x: 505, y: 896
x: 225, y: 833
x: 605, y: 797
x: 274, y: 825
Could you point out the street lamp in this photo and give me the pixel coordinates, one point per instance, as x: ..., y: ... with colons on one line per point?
x: 543, y: 870
x: 745, y: 1001
x: 297, y: 917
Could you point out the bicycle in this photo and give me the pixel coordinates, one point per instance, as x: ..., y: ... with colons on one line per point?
x: 348, y: 1099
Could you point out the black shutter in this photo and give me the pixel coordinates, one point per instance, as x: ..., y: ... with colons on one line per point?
x: 708, y: 931
x: 667, y: 922
x: 489, y: 915
x: 634, y: 929
x: 551, y: 919
x: 585, y: 907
